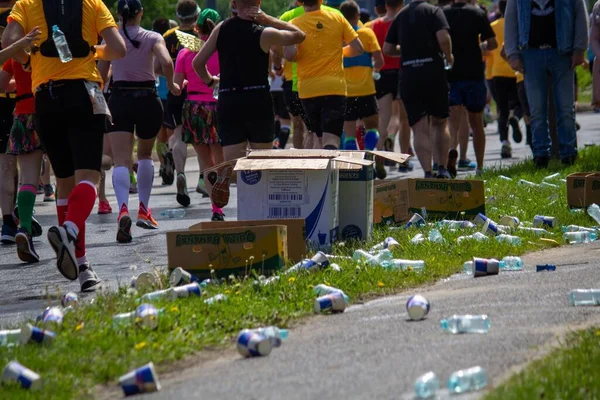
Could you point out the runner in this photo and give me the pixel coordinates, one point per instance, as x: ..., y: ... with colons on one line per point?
x: 165, y: 155
x: 199, y: 118
x: 136, y: 108
x: 25, y: 144
x: 321, y: 80
x: 419, y: 35
x: 107, y: 161
x: 70, y: 115
x: 361, y: 103
x: 390, y: 120
x: 245, y: 117
x: 187, y: 12
x: 282, y: 116
x: 469, y: 27
x: 49, y: 196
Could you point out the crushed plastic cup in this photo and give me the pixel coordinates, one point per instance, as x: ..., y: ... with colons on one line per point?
x: 477, y: 236
x: 485, y: 267
x: 53, y: 316
x: 435, y: 236
x: 147, y: 280
x: 488, y: 225
x: 542, y: 221
x: 34, y: 334
x: 417, y: 307
x: 389, y: 243
x: 322, y: 290
x: 415, y: 221
x: 146, y: 315
x: 69, y: 299
x: 180, y: 277
x: 318, y: 261
x: 251, y: 344
x: 15, y: 372
x: 334, y: 302
x: 510, y: 221
x: 141, y: 380
x: 418, y: 239
x: 189, y: 290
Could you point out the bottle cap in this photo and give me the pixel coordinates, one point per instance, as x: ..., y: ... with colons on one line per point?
x: 283, y: 333
x: 444, y: 324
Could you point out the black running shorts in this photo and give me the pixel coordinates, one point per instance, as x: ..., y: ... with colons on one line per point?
x: 279, y: 106
x: 325, y: 114
x: 424, y: 91
x: 68, y: 128
x: 245, y: 117
x: 387, y: 84
x: 361, y: 107
x: 175, y: 106
x: 136, y: 111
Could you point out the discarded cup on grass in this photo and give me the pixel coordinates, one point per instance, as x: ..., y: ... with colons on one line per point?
x: 141, y: 380
x: 318, y: 261
x: 426, y: 386
x: 456, y: 224
x: 388, y: 243
x: 15, y: 372
x: 250, y: 344
x: 417, y: 307
x: 158, y: 295
x: 489, y: 225
x: 466, y: 324
x: 478, y: 236
x: 523, y: 182
x: 180, y: 277
x: 594, y: 212
x: 10, y: 338
x: 467, y: 380
x: 189, y: 290
x: 468, y: 267
x: 435, y: 236
x: 404, y: 265
x: 145, y: 315
x: 585, y: 297
x: 416, y: 220
x: 334, y: 302
x: 147, y: 280
x: 208, y: 282
x: 274, y: 334
x: 580, y: 237
x: 69, y: 299
x: 514, y: 240
x: 53, y: 316
x: 372, y: 259
x: 545, y: 267
x: 419, y: 238
x: 216, y: 299
x: 485, y: 267
x: 35, y: 334
x: 541, y: 221
x: 510, y: 221
x: 322, y: 290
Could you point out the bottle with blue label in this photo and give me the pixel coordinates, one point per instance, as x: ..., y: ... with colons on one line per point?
x: 62, y: 46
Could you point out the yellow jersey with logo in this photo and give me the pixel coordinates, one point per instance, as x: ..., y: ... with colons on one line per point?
x: 319, y: 58
x: 358, y: 70
x: 500, y: 67
x: 96, y: 18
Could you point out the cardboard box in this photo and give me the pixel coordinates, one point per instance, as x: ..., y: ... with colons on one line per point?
x: 296, y: 243
x: 390, y: 203
x: 583, y: 189
x: 446, y: 199
x: 228, y: 250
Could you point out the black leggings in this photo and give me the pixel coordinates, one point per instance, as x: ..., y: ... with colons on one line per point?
x: 135, y: 107
x: 506, y: 100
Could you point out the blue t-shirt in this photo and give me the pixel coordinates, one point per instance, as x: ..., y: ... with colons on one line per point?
x: 161, y: 87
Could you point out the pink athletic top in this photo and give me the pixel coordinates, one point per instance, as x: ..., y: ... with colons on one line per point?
x: 196, y: 89
x: 138, y: 64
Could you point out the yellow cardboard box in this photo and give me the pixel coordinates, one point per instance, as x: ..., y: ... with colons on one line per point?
x: 390, y: 202
x: 446, y: 199
x: 228, y: 250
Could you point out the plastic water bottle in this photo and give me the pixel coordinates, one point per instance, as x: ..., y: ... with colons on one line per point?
x: 388, y: 243
x: 426, y: 386
x: 537, y: 231
x: 594, y: 212
x: 551, y: 177
x: 523, y: 182
x: 549, y: 185
x: 373, y: 259
x: 504, y: 178
x: 511, y: 263
x: 580, y: 237
x: 273, y: 333
x: 468, y: 267
x: 585, y: 297
x: 376, y: 76
x: 478, y: 236
x: 456, y: 224
x: 466, y: 324
x: 419, y: 238
x: 404, y: 265
x: 467, y: 380
x: 174, y: 213
x: 60, y: 41
x: 216, y: 88
x: 514, y: 240
x: 10, y: 338
x: 577, y: 228
x: 322, y: 290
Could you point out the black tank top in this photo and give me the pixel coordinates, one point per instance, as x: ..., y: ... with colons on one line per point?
x: 244, y: 65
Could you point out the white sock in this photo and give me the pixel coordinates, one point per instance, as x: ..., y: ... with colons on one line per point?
x: 120, y: 179
x: 145, y: 178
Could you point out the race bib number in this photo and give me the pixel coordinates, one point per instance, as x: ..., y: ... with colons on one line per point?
x: 97, y: 98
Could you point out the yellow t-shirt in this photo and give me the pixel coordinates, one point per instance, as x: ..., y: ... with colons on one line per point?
x: 319, y: 57
x: 500, y: 67
x: 288, y: 71
x: 359, y: 70
x: 489, y: 65
x: 96, y: 18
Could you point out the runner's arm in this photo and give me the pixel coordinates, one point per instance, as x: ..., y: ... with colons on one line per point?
x: 354, y: 48
x: 166, y: 65
x: 391, y: 50
x: 15, y: 41
x: 114, y: 47
x: 378, y: 60
x: 5, y: 78
x: 104, y: 69
x: 201, y: 59
x: 445, y: 42
x: 290, y: 53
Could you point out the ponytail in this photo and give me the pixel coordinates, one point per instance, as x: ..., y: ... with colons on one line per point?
x: 207, y: 27
x: 125, y: 15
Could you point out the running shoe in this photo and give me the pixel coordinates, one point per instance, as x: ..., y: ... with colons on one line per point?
x: 183, y: 197
x: 435, y: 167
x: 451, y: 168
x: 104, y: 207
x: 466, y: 164
x: 406, y: 167
x: 218, y: 217
x: 443, y: 173
x: 169, y: 171
x: 124, y: 222
x: 49, y: 194
x: 8, y: 234
x: 506, y: 150
x: 428, y: 175
x: 36, y: 227
x: 145, y: 220
x: 220, y: 191
x: 62, y: 241
x: 380, y: 171
x: 88, y: 279
x: 201, y: 187
x: 40, y: 189
x: 517, y: 134
x: 132, y: 183
x: 25, y: 249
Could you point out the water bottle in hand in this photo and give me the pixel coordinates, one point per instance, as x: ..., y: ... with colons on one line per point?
x: 216, y: 87
x: 60, y: 41
x: 467, y: 380
x: 466, y: 324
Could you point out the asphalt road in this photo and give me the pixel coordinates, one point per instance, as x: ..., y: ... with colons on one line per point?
x: 372, y: 351
x: 25, y: 289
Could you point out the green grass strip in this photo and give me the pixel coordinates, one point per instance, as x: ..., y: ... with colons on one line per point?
x: 89, y: 352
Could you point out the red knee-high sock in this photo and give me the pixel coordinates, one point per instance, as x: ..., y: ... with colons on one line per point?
x: 62, y: 206
x: 81, y: 203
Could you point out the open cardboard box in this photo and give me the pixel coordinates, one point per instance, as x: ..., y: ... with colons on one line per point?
x: 583, y: 189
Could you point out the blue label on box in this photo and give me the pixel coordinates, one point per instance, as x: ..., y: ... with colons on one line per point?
x: 251, y: 177
x: 351, y: 232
